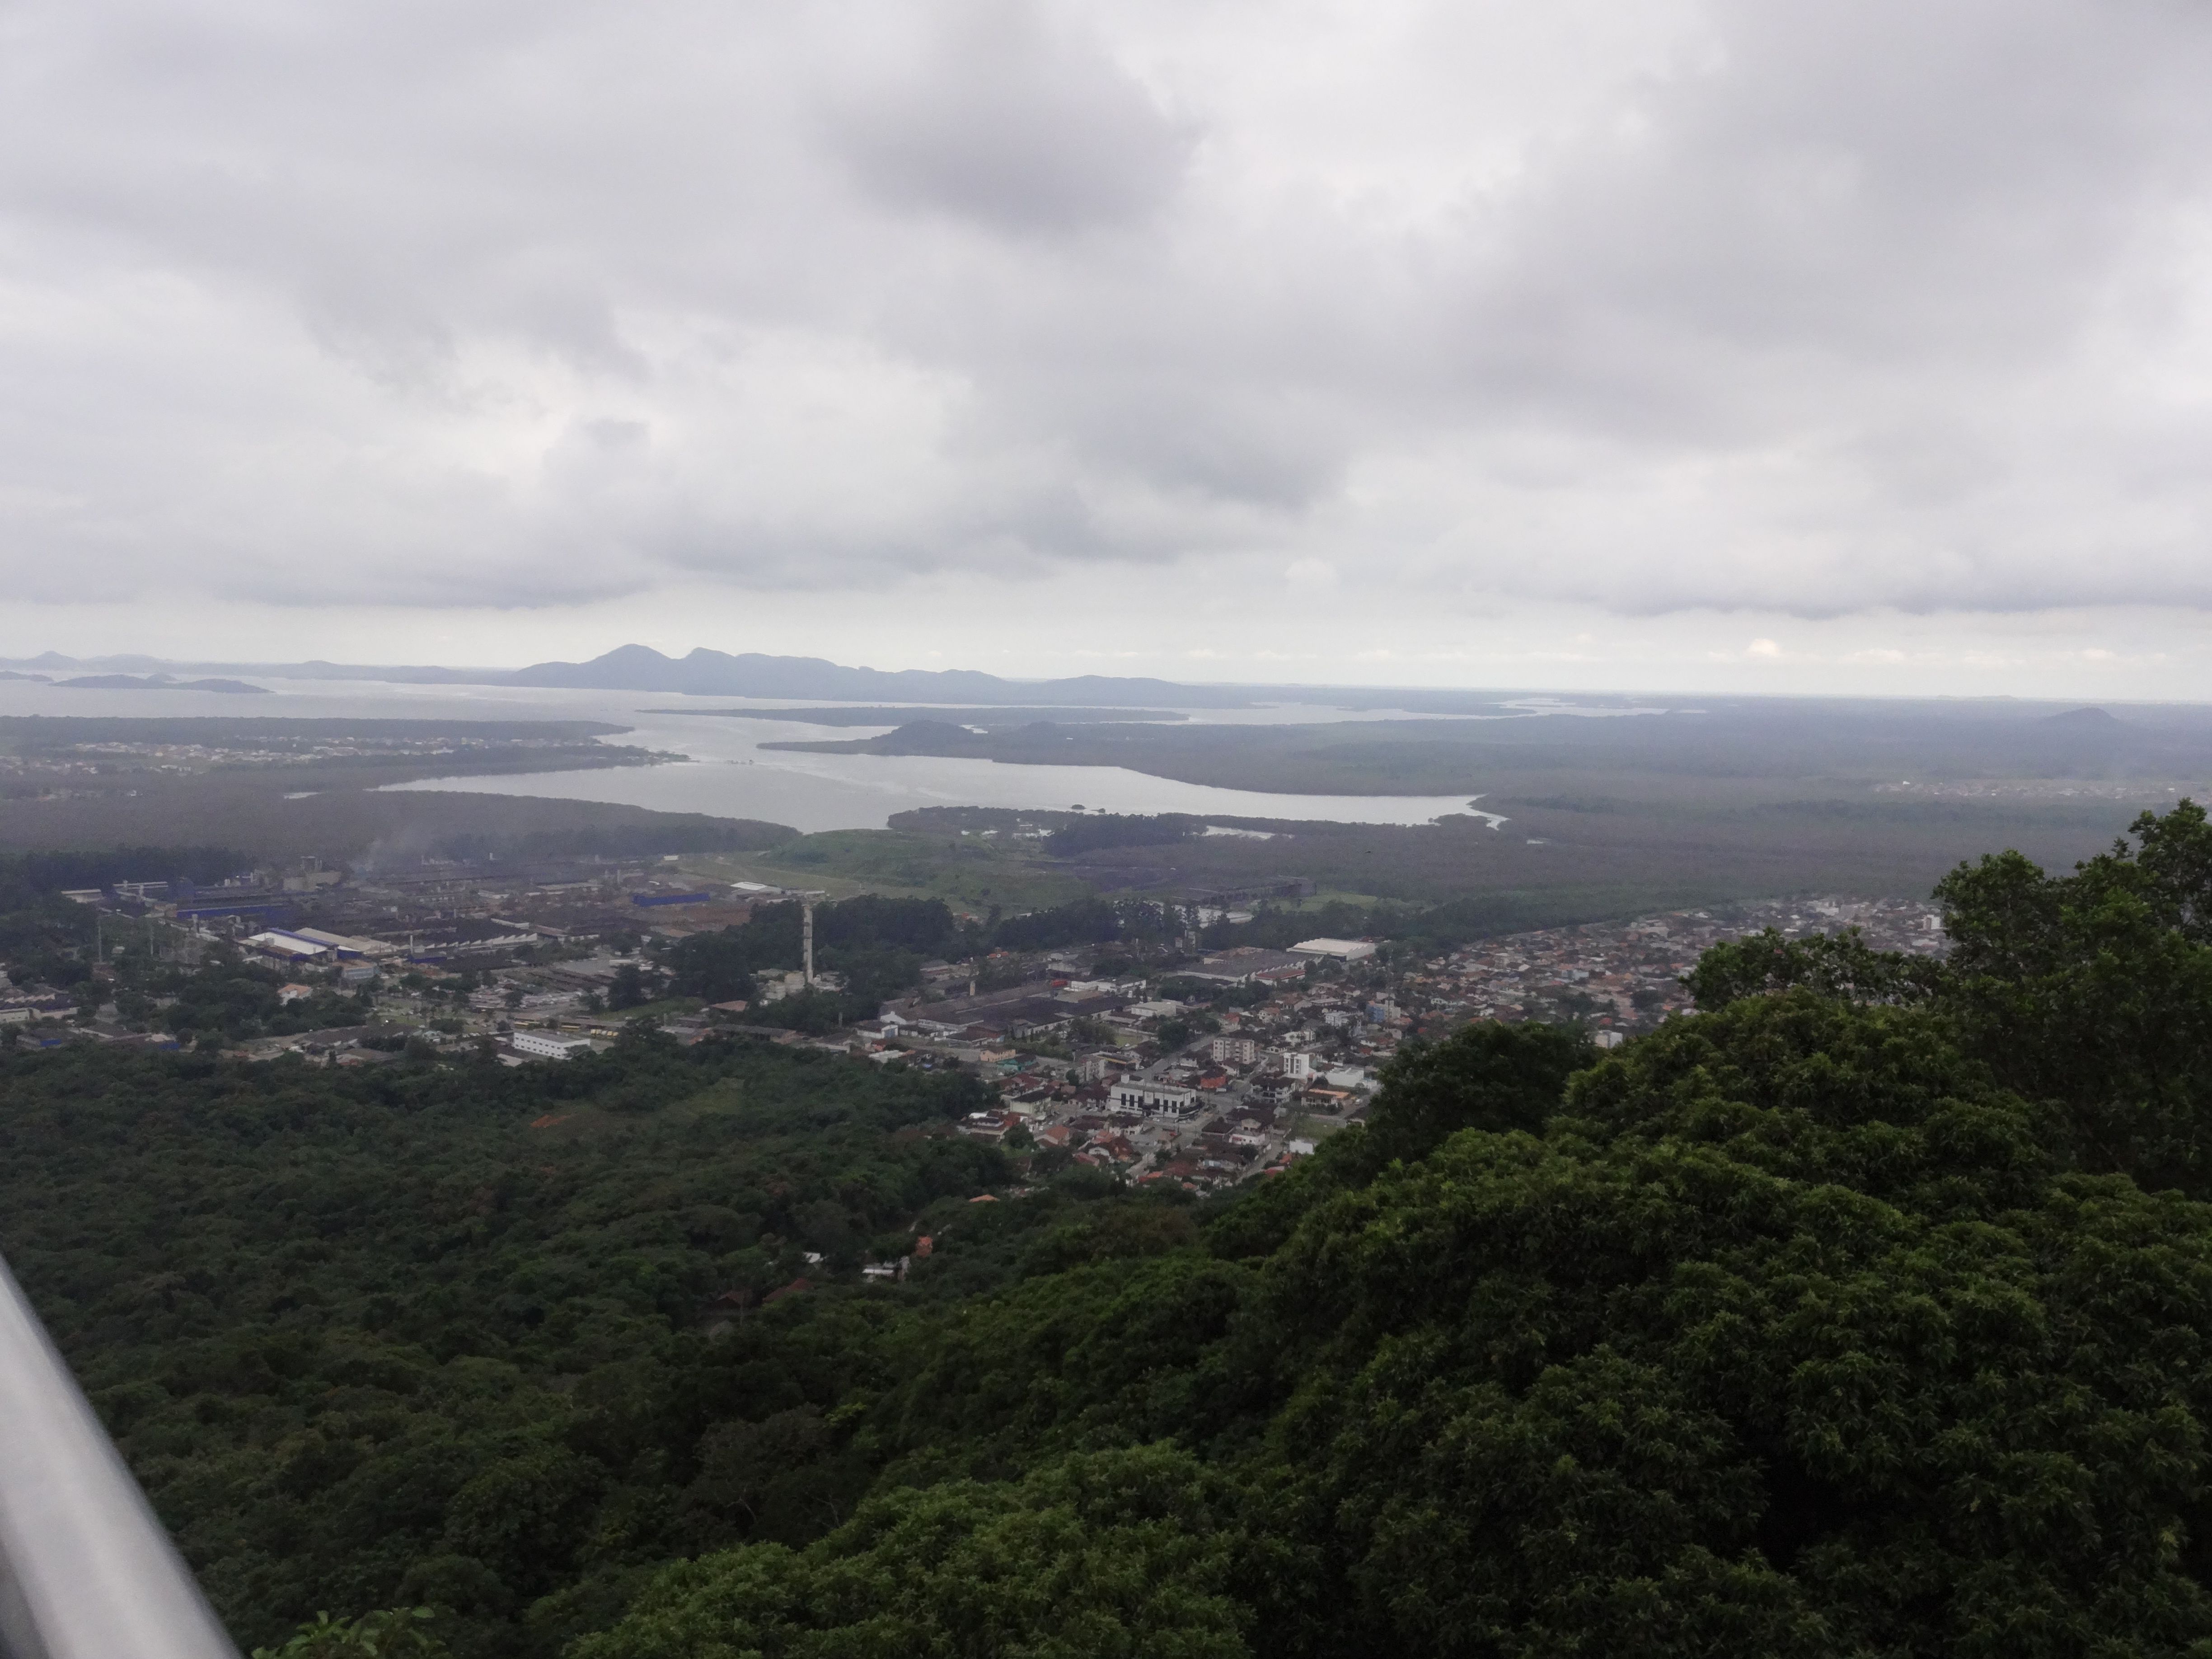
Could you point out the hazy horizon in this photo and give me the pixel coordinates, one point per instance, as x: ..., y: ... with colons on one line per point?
x: 143, y: 661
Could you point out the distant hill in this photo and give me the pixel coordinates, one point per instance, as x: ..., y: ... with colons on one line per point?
x: 2085, y: 719
x: 155, y: 682
x: 54, y: 663
x: 701, y: 673
x: 997, y: 715
x: 717, y: 673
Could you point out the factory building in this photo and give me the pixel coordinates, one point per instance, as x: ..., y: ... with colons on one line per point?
x: 551, y: 1045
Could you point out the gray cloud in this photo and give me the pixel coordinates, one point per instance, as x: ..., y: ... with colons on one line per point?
x: 1013, y: 119
x: 1654, y: 307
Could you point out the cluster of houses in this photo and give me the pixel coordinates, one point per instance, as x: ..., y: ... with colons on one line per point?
x: 1246, y: 1089
x: 1263, y: 1050
x: 1620, y: 978
x: 1200, y: 1094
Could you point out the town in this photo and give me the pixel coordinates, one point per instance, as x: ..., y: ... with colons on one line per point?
x: 1154, y: 1060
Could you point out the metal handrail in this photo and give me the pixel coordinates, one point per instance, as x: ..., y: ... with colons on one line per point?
x: 86, y: 1571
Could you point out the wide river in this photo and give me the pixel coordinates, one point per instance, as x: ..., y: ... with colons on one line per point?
x: 727, y: 774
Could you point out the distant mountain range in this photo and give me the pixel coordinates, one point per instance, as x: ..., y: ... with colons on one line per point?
x: 52, y: 662
x: 155, y: 682
x: 706, y: 673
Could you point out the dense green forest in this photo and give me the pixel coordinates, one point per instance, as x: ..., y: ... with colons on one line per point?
x: 1867, y: 1311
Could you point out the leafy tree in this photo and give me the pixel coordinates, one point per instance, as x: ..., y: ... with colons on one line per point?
x: 1083, y: 921
x: 2092, y: 990
x: 367, y: 1337
x: 876, y: 945
x: 1840, y: 965
x: 1487, y: 1076
x: 2095, y: 990
x: 395, y: 1633
x: 1087, y: 1031
x: 1094, y: 833
x: 626, y: 989
x: 1714, y: 1365
x: 1121, y: 1555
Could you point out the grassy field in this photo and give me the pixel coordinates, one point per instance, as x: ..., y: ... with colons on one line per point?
x: 968, y: 875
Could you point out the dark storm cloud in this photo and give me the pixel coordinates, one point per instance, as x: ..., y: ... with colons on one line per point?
x: 1651, y: 306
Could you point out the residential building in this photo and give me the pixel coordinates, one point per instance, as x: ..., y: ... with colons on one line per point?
x: 1102, y: 1066
x: 1235, y: 1050
x: 1161, y: 1100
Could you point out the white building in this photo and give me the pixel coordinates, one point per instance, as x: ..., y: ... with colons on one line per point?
x: 287, y: 946
x: 1165, y: 1100
x: 551, y: 1045
x: 1340, y: 950
x: 345, y: 944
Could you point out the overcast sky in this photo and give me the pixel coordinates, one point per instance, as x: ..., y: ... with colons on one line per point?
x: 1649, y: 343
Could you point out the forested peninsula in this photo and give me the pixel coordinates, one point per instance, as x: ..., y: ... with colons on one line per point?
x: 1866, y: 1311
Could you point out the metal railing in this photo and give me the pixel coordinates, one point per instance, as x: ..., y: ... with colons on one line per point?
x: 86, y: 1571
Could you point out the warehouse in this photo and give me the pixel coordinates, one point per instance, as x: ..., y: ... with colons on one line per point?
x: 1339, y: 949
x: 549, y: 1045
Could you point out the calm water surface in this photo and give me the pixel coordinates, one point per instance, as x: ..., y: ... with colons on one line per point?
x: 727, y: 774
